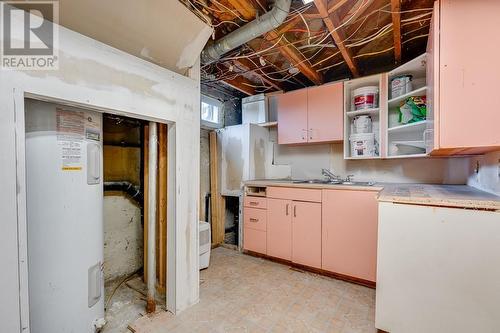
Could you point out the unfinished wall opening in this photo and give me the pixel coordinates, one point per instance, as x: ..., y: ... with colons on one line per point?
x: 87, y: 178
x: 231, y: 222
x: 123, y: 219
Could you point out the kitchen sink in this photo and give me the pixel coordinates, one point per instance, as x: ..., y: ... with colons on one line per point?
x: 334, y: 182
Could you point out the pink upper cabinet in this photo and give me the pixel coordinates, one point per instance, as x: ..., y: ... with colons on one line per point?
x: 349, y: 234
x: 306, y: 233
x: 325, y: 105
x: 292, y: 117
x: 467, y: 116
x: 279, y: 228
x: 311, y: 115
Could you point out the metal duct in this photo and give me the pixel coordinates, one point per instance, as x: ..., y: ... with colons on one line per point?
x: 261, y: 25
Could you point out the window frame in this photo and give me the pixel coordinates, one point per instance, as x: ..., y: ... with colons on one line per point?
x: 220, y: 116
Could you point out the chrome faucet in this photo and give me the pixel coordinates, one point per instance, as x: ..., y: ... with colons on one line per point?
x: 328, y: 174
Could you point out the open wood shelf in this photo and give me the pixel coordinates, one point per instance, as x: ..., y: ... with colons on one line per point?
x: 363, y: 111
x: 394, y: 102
x: 408, y: 127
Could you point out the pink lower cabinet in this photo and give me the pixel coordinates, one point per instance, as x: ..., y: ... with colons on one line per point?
x: 279, y: 228
x: 255, y: 224
x: 306, y: 233
x: 349, y: 235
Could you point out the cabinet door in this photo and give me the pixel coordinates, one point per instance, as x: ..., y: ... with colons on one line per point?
x: 306, y: 233
x: 279, y: 228
x: 432, y: 75
x: 325, y: 107
x: 349, y: 235
x: 292, y: 117
x: 469, y: 74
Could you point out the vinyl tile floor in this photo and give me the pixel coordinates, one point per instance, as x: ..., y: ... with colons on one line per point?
x: 240, y: 293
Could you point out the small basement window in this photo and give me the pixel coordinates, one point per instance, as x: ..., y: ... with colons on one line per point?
x: 211, y: 112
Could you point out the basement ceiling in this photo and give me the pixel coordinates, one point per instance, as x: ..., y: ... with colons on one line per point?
x: 319, y: 42
x: 160, y: 31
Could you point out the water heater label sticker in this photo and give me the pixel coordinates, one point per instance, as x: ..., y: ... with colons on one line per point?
x: 70, y: 124
x: 71, y: 155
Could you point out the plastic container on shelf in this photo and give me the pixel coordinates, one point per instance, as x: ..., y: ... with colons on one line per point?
x: 365, y: 97
x: 362, y: 144
x: 401, y: 85
x: 362, y: 124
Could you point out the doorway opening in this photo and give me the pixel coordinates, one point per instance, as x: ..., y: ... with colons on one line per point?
x: 87, y: 195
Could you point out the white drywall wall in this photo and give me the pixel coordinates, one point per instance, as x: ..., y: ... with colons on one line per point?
x: 123, y: 237
x: 415, y: 170
x: 488, y: 177
x: 307, y: 161
x: 94, y: 75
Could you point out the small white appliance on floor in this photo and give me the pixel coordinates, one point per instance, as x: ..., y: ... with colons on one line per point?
x: 205, y: 244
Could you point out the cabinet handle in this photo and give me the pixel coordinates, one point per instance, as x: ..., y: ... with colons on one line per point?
x: 254, y: 220
x: 310, y: 134
x: 294, y: 211
x: 287, y: 206
x: 254, y: 203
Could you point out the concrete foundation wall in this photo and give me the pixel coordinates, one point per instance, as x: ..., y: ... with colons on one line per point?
x: 123, y: 237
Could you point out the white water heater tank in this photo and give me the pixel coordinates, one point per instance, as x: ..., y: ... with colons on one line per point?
x: 64, y: 218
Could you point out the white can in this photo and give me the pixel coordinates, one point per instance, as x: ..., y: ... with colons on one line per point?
x: 401, y: 85
x: 365, y: 97
x: 362, y: 144
x: 362, y: 124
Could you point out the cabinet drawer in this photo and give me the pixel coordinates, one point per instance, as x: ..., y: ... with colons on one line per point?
x: 254, y: 240
x: 255, y: 202
x: 254, y: 218
x: 297, y: 194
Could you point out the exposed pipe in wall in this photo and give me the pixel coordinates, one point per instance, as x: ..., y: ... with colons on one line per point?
x: 152, y: 167
x: 134, y: 192
x: 261, y: 25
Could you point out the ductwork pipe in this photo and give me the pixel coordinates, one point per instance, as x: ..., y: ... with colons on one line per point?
x: 153, y: 161
x: 261, y: 25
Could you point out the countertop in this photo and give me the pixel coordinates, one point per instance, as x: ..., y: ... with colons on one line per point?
x: 460, y: 196
x: 290, y: 183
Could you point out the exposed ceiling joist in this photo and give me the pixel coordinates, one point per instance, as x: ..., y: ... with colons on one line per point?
x: 248, y: 65
x: 331, y: 21
x: 294, y: 56
x: 297, y: 59
x: 336, y: 5
x: 396, y: 27
x: 242, y: 84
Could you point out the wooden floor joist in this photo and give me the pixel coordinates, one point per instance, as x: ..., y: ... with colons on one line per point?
x: 217, y: 216
x: 242, y: 84
x: 247, y: 65
x: 296, y: 58
x: 396, y: 27
x: 331, y: 21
